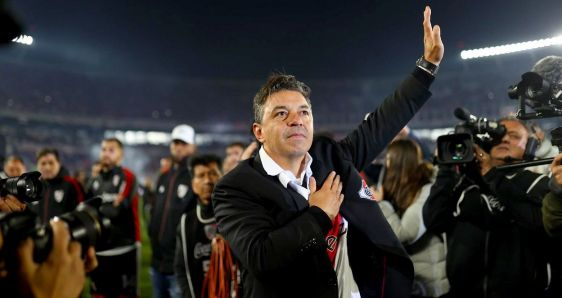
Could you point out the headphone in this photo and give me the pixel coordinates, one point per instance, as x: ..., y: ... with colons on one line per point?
x: 531, y: 147
x: 533, y: 143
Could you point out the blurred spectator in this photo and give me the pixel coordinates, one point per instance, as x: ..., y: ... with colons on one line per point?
x: 117, y: 274
x: 174, y: 195
x: 146, y: 192
x: 233, y: 155
x: 198, y: 243
x: 13, y: 167
x: 95, y: 171
x: 406, y: 186
x: 165, y: 164
x: 374, y: 172
x: 61, y: 192
x: 82, y: 177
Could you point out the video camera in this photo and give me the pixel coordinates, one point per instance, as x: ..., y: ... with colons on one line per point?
x: 537, y: 93
x: 27, y: 187
x: 458, y: 148
x: 545, y: 99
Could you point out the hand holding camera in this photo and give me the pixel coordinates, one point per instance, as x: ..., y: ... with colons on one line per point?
x: 10, y: 203
x: 62, y: 274
x: 39, y: 260
x: 483, y: 159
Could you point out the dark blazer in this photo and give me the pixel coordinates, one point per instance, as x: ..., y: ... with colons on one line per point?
x: 280, y: 240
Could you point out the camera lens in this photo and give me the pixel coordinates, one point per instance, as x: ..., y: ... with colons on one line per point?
x: 27, y: 187
x: 86, y: 225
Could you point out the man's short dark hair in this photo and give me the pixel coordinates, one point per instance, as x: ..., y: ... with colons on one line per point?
x: 46, y: 151
x: 275, y: 83
x: 203, y: 160
x: 550, y: 68
x: 114, y: 140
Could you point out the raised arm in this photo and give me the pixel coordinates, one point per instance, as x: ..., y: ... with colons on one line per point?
x: 364, y: 143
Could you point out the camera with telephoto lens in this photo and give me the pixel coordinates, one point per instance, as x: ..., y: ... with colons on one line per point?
x: 27, y: 187
x: 87, y: 224
x: 458, y: 148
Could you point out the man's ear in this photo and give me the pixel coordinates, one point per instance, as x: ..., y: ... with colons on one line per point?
x: 256, y: 129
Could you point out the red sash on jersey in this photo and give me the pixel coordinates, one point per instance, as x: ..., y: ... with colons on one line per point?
x: 333, y: 237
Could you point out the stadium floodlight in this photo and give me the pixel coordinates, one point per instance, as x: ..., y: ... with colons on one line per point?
x: 511, y: 48
x: 24, y: 39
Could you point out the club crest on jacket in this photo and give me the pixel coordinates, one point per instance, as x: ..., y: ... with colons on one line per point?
x: 364, y: 192
x: 182, y: 190
x: 59, y: 195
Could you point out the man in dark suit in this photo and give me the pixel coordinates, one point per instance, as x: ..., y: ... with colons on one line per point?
x: 284, y: 211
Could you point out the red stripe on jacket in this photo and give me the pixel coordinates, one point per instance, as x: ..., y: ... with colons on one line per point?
x: 127, y: 191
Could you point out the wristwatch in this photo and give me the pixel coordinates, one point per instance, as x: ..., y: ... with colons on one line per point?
x: 427, y: 66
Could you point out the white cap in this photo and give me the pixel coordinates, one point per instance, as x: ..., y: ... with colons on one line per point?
x: 184, y: 133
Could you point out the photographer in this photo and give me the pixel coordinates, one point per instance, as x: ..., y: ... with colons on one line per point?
x: 550, y: 68
x: 62, y: 274
x: 492, y: 220
x: 552, y: 204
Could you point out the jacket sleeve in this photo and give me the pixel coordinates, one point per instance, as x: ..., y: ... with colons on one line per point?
x: 76, y: 192
x: 89, y: 188
x: 364, y: 143
x: 441, y: 202
x: 474, y: 206
x: 263, y: 246
x: 180, y: 268
x: 552, y: 214
x: 128, y: 195
x: 520, y: 199
x: 129, y: 200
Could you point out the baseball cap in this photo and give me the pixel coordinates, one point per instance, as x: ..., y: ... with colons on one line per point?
x: 184, y: 133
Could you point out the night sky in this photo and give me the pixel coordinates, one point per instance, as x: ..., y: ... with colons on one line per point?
x: 248, y: 39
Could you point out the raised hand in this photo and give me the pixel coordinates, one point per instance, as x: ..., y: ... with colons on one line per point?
x: 432, y: 43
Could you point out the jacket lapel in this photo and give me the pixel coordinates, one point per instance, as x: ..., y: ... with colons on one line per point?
x: 293, y: 199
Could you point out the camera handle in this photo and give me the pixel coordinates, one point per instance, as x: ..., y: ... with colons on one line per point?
x: 524, y: 164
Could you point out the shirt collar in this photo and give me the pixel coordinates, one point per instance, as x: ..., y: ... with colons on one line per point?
x: 285, y: 176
